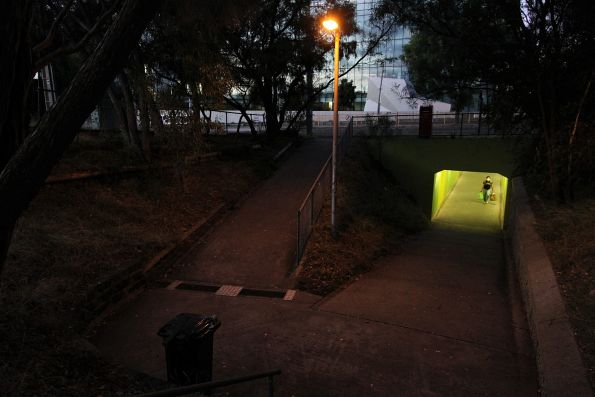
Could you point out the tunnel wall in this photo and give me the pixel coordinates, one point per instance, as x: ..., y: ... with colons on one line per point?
x: 444, y: 182
x: 504, y: 197
x: 414, y: 161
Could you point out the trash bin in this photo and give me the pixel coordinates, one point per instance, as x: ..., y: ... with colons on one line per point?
x: 188, y: 342
x: 425, y: 121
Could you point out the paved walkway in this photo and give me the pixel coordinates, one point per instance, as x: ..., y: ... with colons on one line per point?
x: 255, y: 245
x: 435, y: 320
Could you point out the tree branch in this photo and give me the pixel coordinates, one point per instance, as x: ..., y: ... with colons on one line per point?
x: 27, y: 169
x: 49, y: 39
x: 40, y: 63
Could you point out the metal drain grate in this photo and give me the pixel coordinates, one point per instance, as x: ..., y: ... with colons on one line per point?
x: 226, y: 290
x: 229, y: 290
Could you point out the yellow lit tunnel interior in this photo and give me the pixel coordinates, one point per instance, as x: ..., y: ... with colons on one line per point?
x: 456, y: 199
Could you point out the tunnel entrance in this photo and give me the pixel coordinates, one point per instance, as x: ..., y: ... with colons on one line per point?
x: 456, y: 199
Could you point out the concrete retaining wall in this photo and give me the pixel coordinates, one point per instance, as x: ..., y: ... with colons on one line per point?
x: 561, y: 371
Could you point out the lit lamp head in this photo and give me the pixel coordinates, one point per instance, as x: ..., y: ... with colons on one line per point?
x: 330, y: 24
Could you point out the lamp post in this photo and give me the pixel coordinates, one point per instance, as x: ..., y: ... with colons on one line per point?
x: 332, y: 26
x: 380, y: 88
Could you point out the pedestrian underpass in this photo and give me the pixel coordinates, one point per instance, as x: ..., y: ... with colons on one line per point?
x: 456, y: 199
x: 444, y: 176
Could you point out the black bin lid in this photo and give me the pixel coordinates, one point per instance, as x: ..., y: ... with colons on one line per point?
x: 188, y: 325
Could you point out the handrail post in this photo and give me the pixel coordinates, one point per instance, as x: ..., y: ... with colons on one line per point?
x: 312, y: 206
x: 298, y: 256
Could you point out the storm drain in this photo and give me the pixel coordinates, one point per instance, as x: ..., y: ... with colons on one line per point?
x: 228, y: 290
x: 262, y: 293
x: 198, y: 287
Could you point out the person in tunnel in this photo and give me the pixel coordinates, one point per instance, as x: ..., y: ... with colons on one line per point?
x: 486, y: 189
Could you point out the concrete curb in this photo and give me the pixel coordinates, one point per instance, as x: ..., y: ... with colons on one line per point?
x: 198, y: 229
x: 561, y: 370
x: 283, y: 151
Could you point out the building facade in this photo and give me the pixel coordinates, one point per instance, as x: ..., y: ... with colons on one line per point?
x: 384, y: 62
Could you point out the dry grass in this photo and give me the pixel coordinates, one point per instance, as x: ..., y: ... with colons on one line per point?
x: 373, y: 214
x: 73, y: 236
x: 330, y: 263
x: 569, y: 236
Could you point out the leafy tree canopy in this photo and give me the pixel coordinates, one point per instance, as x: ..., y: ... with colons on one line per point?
x: 247, y: 53
x: 347, y: 95
x: 534, y: 58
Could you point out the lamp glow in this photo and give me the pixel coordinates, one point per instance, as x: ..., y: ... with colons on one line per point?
x: 330, y: 24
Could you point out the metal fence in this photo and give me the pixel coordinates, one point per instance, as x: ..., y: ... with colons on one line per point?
x: 310, y: 209
x: 231, y: 122
x: 467, y: 124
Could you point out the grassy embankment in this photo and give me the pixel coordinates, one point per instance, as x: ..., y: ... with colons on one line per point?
x: 569, y: 237
x: 79, y: 233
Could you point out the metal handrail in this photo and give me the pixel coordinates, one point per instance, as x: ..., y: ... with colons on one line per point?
x: 326, y: 164
x: 302, y: 239
x: 180, y: 391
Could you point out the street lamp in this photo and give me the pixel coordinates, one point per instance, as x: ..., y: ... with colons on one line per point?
x: 333, y: 26
x: 380, y: 88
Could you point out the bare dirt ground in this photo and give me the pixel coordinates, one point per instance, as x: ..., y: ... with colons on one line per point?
x: 569, y: 237
x: 76, y: 234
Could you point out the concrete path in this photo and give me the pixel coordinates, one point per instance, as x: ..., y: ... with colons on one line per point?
x: 437, y: 319
x: 451, y: 284
x: 255, y: 245
x: 321, y: 353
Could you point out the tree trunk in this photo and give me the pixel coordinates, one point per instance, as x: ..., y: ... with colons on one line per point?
x: 250, y: 122
x: 156, y: 120
x: 548, y: 138
x: 145, y: 124
x: 141, y: 88
x: 207, y: 119
x: 120, y: 115
x: 244, y: 113
x: 15, y: 77
x: 239, y: 124
x: 6, y: 231
x: 24, y: 174
x: 130, y: 108
x: 572, y: 139
x: 272, y: 123
x: 270, y: 107
x: 196, y: 107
